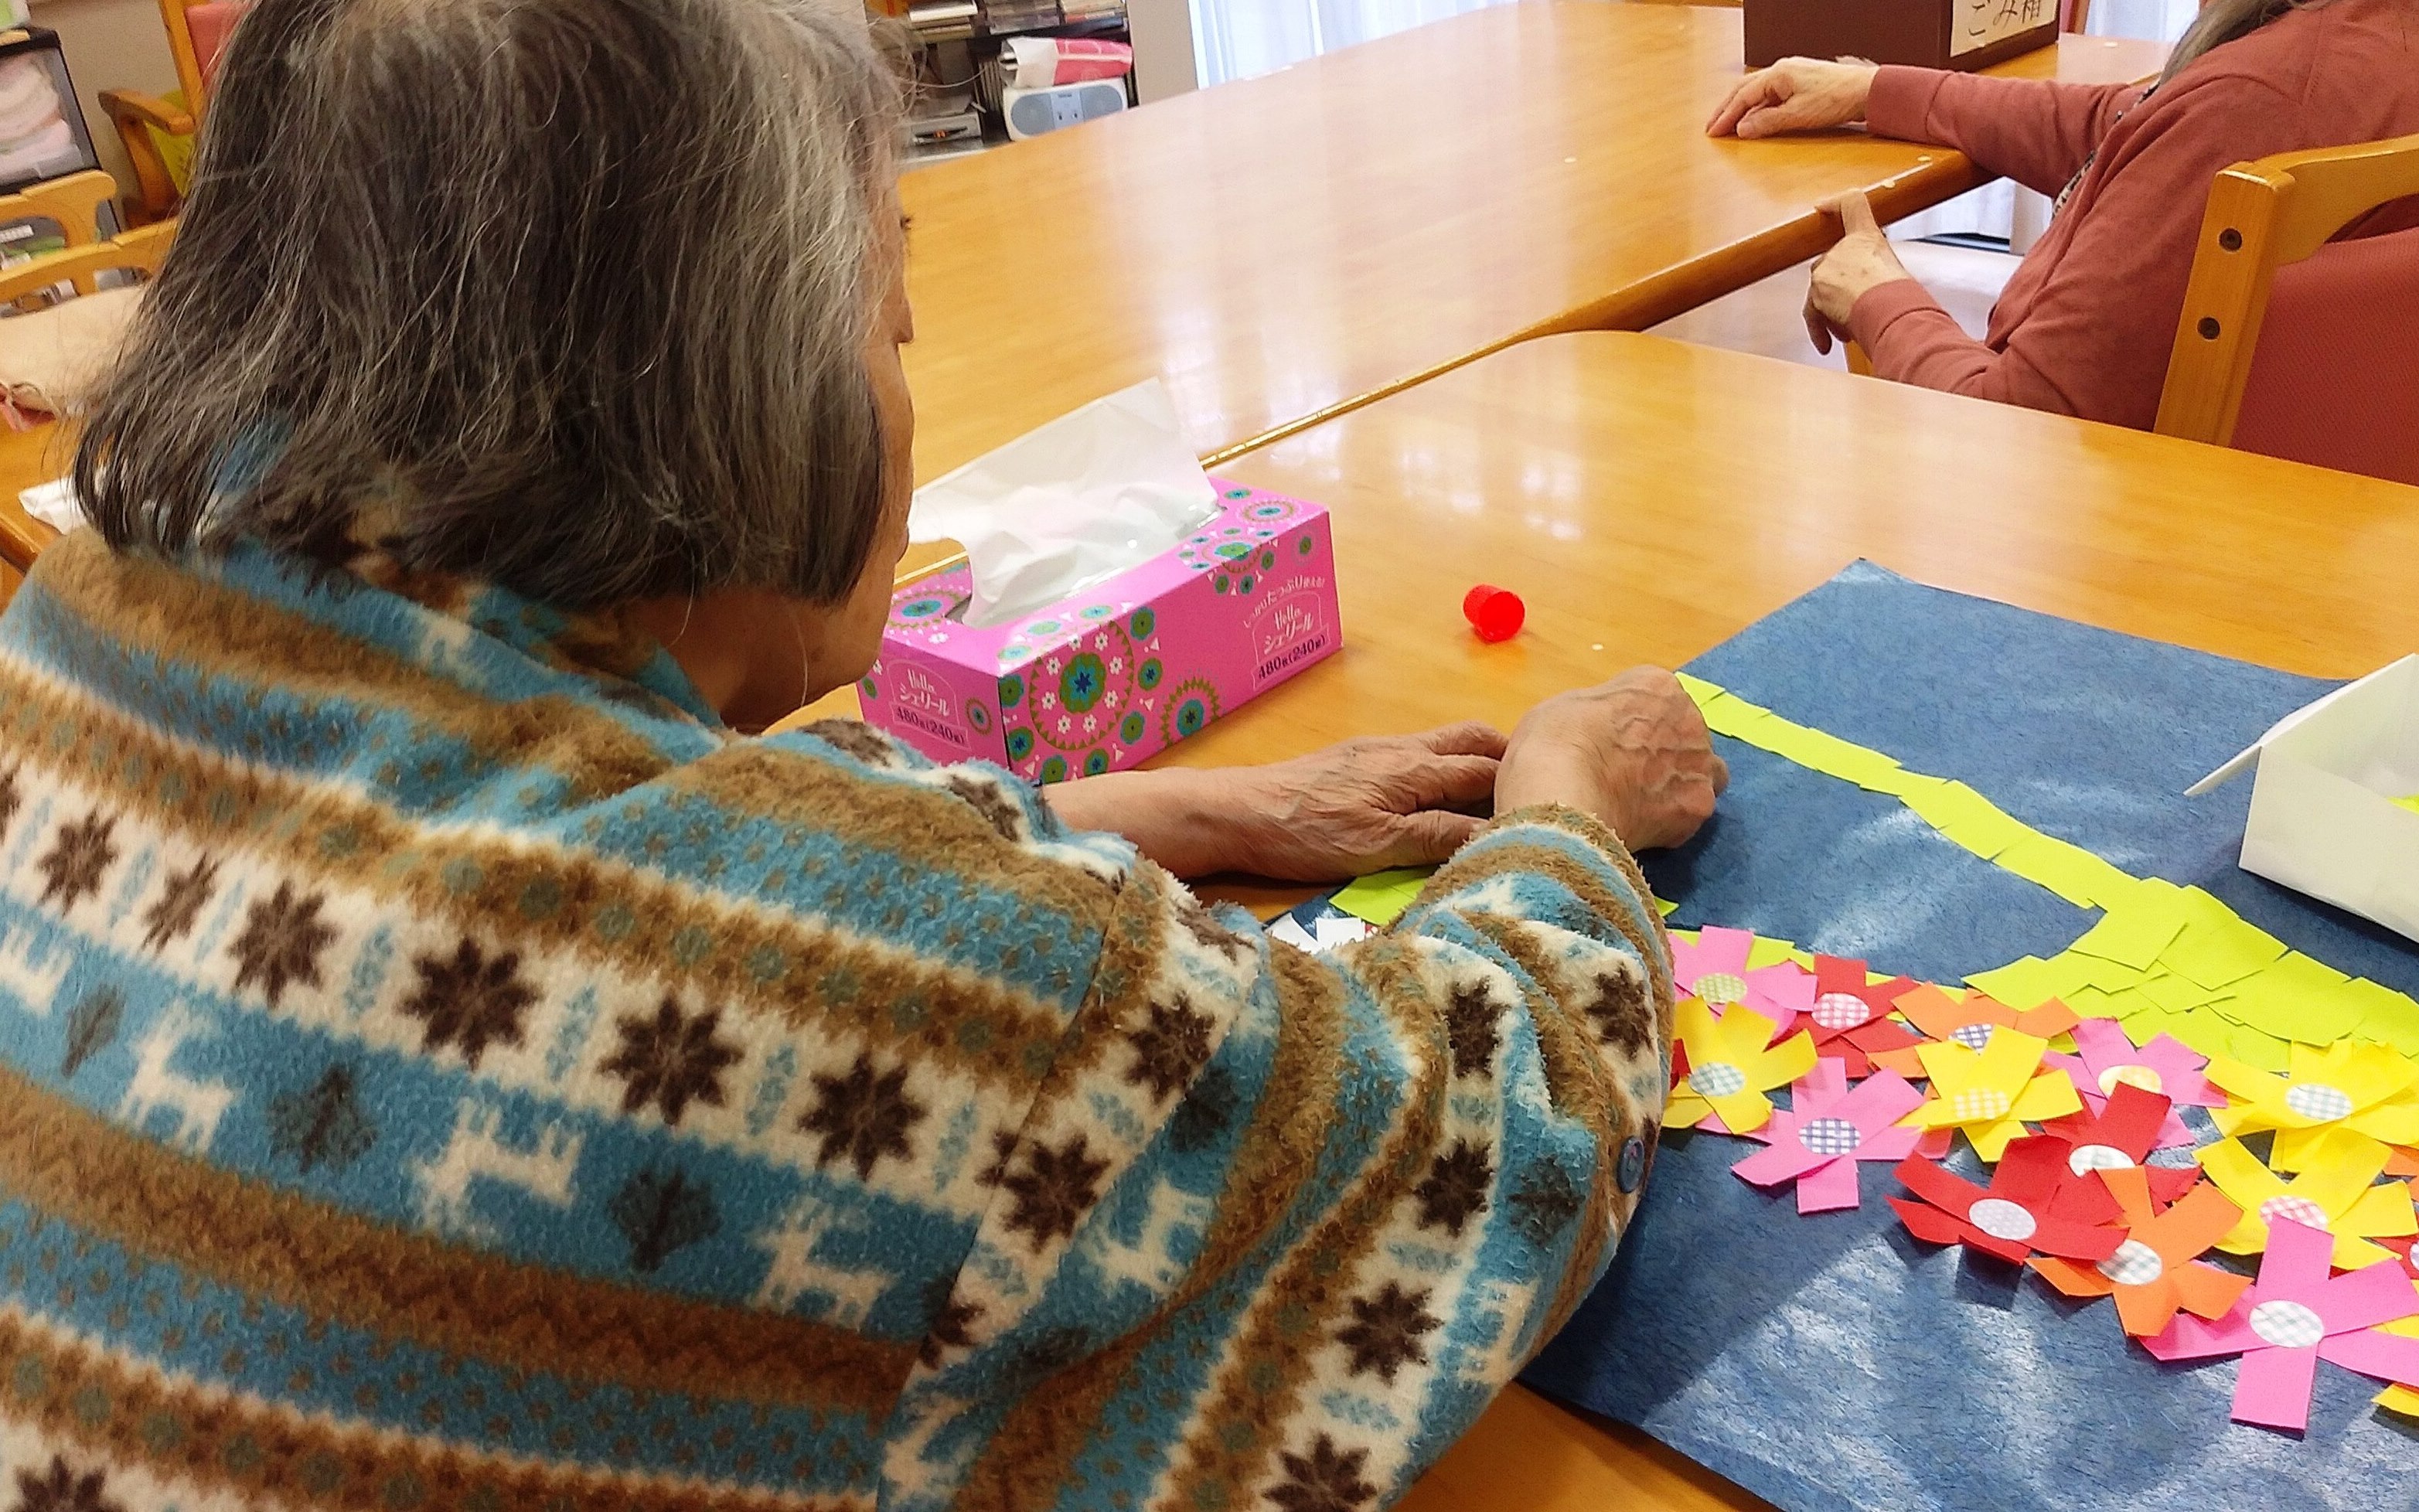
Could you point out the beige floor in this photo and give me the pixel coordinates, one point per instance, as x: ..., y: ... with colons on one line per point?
x: 1765, y: 318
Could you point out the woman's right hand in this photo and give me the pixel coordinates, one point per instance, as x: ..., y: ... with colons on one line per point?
x: 1797, y: 94
x: 1634, y: 753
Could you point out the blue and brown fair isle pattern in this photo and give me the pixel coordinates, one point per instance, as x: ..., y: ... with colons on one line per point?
x: 441, y: 1067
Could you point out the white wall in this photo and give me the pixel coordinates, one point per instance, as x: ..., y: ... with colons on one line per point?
x: 110, y: 44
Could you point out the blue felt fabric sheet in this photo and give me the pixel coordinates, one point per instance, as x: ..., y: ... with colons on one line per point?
x: 1832, y: 1362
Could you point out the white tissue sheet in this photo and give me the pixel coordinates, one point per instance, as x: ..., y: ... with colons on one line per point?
x: 54, y: 503
x: 1060, y: 509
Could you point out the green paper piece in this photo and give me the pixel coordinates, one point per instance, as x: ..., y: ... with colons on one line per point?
x: 1762, y: 952
x: 2177, y: 994
x: 2138, y: 929
x: 2411, y: 803
x: 2254, y: 1048
x: 2295, y: 998
x: 2111, y: 976
x: 1829, y: 754
x: 2092, y: 1003
x: 2385, y: 1015
x: 1381, y: 897
x: 2217, y: 949
x: 2019, y: 984
x: 2204, y: 1032
x: 2070, y: 871
x: 1666, y: 907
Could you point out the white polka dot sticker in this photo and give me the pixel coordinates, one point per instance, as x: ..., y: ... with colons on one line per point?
x: 1716, y: 1078
x: 1842, y: 1010
x: 2318, y: 1102
x: 1720, y: 988
x: 1830, y: 1137
x: 2134, y: 1264
x: 2097, y: 1158
x: 1988, y: 1103
x: 2288, y: 1325
x: 2002, y: 1219
x: 2294, y: 1210
x: 1972, y: 1036
x: 2141, y: 1076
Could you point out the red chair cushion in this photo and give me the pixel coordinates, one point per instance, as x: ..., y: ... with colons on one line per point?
x: 2336, y: 378
x: 212, y: 24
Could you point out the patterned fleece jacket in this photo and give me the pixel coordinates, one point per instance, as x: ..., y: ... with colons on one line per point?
x: 442, y: 1067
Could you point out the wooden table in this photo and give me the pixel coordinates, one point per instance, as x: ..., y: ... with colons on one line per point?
x: 27, y: 458
x: 1280, y: 247
x: 1650, y: 498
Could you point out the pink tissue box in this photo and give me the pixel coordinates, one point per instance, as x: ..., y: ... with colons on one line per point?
x: 1097, y: 682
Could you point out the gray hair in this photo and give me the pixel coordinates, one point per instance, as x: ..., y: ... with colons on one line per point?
x: 578, y: 291
x: 2221, y: 22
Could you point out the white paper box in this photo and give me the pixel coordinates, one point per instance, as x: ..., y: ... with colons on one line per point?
x: 2323, y: 816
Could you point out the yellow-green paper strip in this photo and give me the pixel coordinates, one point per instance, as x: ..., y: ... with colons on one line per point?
x: 1381, y: 896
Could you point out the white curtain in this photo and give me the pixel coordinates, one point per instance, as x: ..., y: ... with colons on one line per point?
x: 1238, y: 38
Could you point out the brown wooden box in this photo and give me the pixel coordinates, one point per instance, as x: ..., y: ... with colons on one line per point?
x: 1931, y: 33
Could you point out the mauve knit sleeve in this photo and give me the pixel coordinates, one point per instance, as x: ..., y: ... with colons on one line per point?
x: 2095, y: 340
x: 2035, y: 132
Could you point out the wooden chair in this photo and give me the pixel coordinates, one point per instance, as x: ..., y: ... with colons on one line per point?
x: 2335, y: 382
x: 137, y: 251
x: 198, y: 37
x: 72, y: 202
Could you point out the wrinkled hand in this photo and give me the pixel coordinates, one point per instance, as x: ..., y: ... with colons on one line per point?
x: 1797, y: 94
x: 1360, y: 807
x: 1862, y: 260
x: 1364, y: 805
x: 1634, y: 752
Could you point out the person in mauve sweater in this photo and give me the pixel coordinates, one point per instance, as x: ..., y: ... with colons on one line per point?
x: 2084, y: 326
x: 446, y: 1064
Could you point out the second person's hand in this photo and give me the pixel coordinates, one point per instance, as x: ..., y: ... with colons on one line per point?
x: 1797, y: 94
x: 1861, y: 260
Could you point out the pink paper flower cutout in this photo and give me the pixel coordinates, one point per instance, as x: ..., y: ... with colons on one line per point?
x: 2292, y: 1317
x: 1714, y: 968
x: 2107, y: 1057
x: 1828, y: 1128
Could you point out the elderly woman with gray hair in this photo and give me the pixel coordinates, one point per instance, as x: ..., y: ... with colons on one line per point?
x: 443, y: 1064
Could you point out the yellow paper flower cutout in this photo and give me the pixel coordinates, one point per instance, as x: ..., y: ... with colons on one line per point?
x: 2333, y: 1192
x: 1732, y: 1064
x: 1991, y: 1093
x: 2368, y: 1090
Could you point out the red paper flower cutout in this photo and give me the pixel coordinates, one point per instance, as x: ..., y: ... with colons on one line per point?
x: 2012, y: 1218
x: 1850, y: 1019
x: 2121, y: 1136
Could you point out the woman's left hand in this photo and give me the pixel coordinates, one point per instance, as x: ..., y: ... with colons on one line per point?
x: 1355, y: 807
x: 1862, y: 260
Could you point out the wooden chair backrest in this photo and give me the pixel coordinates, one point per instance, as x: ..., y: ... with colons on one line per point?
x: 139, y: 251
x: 73, y: 201
x: 2263, y: 216
x: 196, y: 47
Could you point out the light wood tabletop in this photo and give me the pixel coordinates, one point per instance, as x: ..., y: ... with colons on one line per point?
x: 28, y: 457
x: 1649, y: 499
x: 1280, y: 247
x: 1276, y: 247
